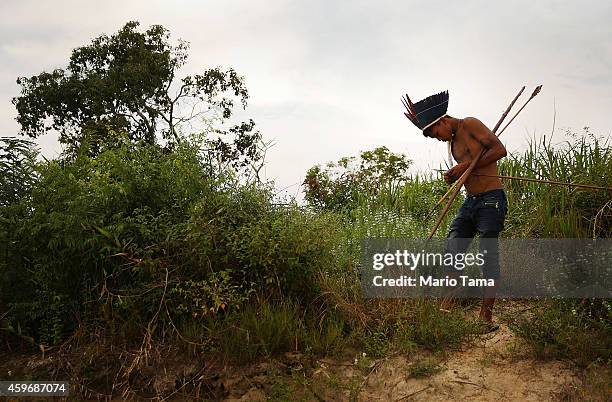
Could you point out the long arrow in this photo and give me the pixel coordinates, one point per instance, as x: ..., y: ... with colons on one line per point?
x: 589, y: 186
x: 563, y: 183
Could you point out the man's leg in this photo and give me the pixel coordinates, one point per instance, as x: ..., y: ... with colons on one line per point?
x: 460, y: 235
x: 489, y: 241
x: 491, y: 214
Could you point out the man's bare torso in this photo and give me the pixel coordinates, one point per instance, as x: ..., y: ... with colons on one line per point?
x: 464, y: 149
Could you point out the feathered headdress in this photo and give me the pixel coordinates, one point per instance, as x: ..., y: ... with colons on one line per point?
x: 428, y: 111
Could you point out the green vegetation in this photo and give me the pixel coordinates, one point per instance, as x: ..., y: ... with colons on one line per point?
x: 123, y: 242
x: 580, y: 330
x: 565, y: 329
x: 127, y: 85
x: 558, y: 211
x: 424, y: 367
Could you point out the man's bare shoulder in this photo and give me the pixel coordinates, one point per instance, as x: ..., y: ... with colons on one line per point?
x: 472, y: 122
x: 476, y: 128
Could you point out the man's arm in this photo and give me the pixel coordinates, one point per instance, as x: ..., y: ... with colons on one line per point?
x: 494, y: 149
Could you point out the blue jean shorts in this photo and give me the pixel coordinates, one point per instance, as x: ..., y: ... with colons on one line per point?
x: 482, y: 213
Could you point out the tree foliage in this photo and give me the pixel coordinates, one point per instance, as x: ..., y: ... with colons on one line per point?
x: 339, y: 184
x: 127, y: 82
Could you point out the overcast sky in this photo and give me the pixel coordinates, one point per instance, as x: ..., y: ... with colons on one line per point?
x: 325, y: 77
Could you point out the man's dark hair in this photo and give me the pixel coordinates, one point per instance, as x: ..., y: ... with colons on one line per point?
x: 428, y: 131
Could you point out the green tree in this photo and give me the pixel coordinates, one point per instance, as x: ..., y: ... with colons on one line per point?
x: 127, y: 82
x: 338, y: 184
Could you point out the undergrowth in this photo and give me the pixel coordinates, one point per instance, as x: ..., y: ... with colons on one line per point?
x: 140, y: 251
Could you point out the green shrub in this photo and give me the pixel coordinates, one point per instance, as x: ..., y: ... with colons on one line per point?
x: 278, y: 250
x: 90, y: 227
x: 110, y: 240
x: 377, y: 344
x: 561, y: 330
x: 425, y: 324
x: 340, y: 185
x: 424, y: 368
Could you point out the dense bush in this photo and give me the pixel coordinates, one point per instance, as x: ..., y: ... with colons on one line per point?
x: 112, y: 239
x: 563, y: 329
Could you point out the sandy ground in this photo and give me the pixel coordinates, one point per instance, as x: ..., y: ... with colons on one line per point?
x: 493, y: 367
x: 488, y: 370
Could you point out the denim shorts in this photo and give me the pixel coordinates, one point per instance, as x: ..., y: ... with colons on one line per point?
x: 482, y: 213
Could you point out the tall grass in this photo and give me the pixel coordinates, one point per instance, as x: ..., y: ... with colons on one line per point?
x: 400, y: 210
x: 575, y: 329
x: 544, y: 210
x: 395, y: 210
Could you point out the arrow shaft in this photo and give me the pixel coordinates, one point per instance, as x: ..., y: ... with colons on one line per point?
x: 545, y: 181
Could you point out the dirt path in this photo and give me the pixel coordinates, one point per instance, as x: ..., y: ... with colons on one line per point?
x: 494, y: 367
x: 489, y: 370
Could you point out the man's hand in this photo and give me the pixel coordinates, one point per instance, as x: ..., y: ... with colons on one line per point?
x: 455, y: 172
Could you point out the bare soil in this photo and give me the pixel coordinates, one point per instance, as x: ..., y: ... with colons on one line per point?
x: 493, y: 367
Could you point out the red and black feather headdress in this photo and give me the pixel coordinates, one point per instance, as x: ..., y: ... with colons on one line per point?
x: 428, y: 111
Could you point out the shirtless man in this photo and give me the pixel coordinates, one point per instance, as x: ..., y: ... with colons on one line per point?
x: 485, y: 206
x: 468, y: 136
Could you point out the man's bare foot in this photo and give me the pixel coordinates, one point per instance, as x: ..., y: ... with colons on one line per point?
x: 487, y: 327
